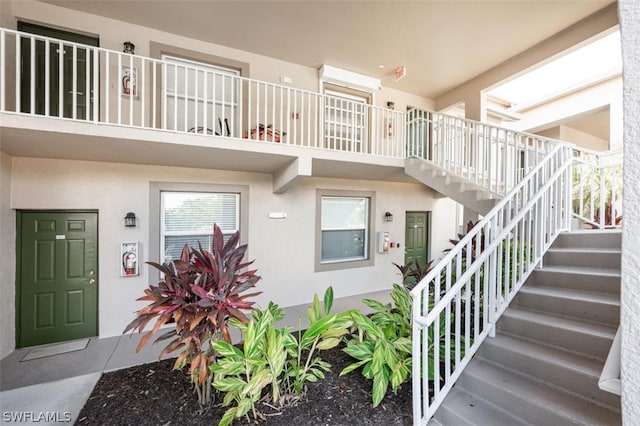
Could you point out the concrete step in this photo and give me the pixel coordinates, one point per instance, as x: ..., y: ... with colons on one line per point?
x: 586, y: 305
x: 607, y: 258
x: 591, y: 339
x: 574, y: 277
x: 461, y: 408
x: 533, y: 401
x: 589, y: 239
x: 575, y: 373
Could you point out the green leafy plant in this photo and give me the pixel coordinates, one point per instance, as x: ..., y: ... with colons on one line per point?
x: 200, y: 293
x: 381, y: 343
x: 272, y: 364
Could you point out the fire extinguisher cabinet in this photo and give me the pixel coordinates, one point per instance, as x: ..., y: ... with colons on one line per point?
x: 129, y: 259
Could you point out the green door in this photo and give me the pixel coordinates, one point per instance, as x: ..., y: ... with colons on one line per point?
x: 416, y: 241
x: 57, y: 285
x: 83, y: 59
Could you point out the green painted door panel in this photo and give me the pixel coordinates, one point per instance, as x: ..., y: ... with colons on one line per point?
x: 58, y: 284
x: 416, y: 237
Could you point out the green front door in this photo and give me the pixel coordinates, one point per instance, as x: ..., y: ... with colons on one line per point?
x: 57, y: 286
x: 416, y: 241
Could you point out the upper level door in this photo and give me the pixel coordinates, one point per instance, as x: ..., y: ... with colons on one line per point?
x: 57, y: 286
x: 62, y: 75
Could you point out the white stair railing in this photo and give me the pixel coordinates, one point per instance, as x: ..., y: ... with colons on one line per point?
x: 490, y: 157
x: 460, y: 300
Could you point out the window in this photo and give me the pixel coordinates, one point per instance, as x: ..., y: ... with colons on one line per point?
x: 188, y: 218
x: 344, y: 232
x: 200, y: 98
x: 346, y: 120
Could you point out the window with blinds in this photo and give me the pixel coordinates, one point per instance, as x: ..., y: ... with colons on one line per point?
x: 188, y: 218
x: 344, y: 228
x: 200, y: 98
x: 346, y: 121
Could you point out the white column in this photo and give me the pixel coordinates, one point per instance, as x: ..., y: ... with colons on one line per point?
x: 630, y: 292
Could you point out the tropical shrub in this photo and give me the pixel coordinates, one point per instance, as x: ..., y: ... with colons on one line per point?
x: 200, y: 293
x: 381, y: 343
x: 272, y: 364
x: 413, y: 272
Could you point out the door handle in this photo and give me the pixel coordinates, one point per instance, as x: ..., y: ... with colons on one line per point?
x: 92, y: 281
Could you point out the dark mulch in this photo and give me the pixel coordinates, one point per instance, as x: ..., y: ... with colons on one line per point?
x: 154, y: 394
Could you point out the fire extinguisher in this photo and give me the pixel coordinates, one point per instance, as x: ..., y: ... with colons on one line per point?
x: 126, y: 84
x: 129, y: 260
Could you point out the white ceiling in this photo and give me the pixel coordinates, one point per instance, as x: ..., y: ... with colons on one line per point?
x: 441, y: 43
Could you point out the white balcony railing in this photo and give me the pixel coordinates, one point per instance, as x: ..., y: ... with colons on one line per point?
x: 54, y: 78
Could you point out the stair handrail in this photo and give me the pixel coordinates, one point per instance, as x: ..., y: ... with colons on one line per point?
x: 516, y: 233
x: 491, y: 157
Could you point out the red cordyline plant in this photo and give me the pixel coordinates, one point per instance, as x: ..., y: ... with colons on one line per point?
x: 199, y: 292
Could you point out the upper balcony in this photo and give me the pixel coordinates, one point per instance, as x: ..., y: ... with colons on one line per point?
x: 60, y: 99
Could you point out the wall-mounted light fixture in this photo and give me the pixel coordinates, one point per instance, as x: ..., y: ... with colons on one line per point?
x: 130, y: 220
x: 388, y: 217
x: 391, y: 105
x: 129, y: 48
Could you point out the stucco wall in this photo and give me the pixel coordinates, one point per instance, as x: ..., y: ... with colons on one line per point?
x: 284, y: 249
x: 630, y: 309
x: 7, y: 259
x: 571, y: 135
x: 113, y: 34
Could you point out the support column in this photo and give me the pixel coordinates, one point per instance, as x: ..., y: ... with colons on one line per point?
x: 475, y: 107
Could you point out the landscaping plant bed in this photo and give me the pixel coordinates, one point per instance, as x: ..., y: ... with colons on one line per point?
x: 155, y: 394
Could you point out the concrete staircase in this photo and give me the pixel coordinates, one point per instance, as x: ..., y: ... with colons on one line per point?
x: 472, y: 196
x: 543, y: 366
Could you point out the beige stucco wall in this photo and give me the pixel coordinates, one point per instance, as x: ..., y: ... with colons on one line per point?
x: 7, y: 259
x: 113, y: 34
x: 284, y: 249
x: 630, y: 307
x: 571, y: 135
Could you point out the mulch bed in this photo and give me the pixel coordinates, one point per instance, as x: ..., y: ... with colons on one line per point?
x: 154, y: 394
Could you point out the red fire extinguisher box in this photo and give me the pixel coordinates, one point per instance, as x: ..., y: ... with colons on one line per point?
x: 129, y: 259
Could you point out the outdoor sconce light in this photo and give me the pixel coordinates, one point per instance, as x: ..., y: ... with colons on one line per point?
x: 129, y: 48
x: 391, y: 105
x: 130, y: 220
x: 388, y: 217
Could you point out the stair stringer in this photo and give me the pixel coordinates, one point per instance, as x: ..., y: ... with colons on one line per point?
x: 459, y: 189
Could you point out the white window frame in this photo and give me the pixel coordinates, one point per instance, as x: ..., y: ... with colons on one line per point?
x: 207, y: 232
x: 155, y: 251
x: 347, y: 262
x: 206, y: 126
x: 345, y: 131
